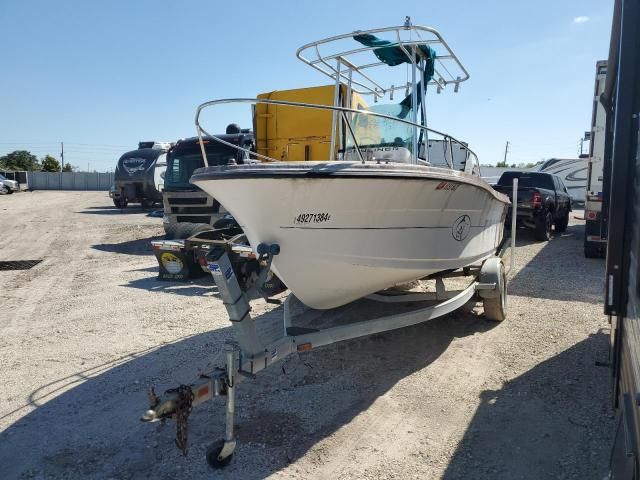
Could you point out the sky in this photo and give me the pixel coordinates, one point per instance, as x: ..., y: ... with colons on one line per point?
x: 102, y: 76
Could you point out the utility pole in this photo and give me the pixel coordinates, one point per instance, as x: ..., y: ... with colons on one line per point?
x: 506, y: 150
x: 62, y: 155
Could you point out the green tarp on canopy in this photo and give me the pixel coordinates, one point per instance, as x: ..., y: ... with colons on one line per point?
x: 391, y: 54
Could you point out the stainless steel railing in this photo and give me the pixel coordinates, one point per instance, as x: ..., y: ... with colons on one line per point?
x: 346, y: 114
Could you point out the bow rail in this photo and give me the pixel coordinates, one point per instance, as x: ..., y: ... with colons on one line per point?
x: 354, y: 145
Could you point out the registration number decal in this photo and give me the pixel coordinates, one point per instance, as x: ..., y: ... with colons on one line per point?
x: 303, y: 218
x: 451, y: 186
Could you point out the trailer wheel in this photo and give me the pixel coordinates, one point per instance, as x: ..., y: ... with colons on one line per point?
x: 543, y: 227
x: 213, y: 455
x: 494, y: 301
x: 120, y: 203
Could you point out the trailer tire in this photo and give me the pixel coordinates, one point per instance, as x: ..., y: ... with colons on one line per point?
x: 212, y: 455
x: 494, y: 301
x: 562, y: 223
x: 120, y: 203
x: 542, y: 231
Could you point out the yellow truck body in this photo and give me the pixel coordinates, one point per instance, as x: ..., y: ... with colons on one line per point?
x: 289, y: 133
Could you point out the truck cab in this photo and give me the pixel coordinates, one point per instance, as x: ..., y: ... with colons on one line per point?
x: 543, y: 201
x: 186, y: 203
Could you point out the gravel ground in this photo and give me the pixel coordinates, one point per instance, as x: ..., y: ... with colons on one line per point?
x: 88, y: 330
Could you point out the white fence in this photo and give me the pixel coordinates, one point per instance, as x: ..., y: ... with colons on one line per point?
x: 69, y: 180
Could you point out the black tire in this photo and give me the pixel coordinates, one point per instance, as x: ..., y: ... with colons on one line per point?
x: 120, y: 203
x: 543, y: 227
x: 562, y: 223
x: 170, y: 231
x: 183, y: 230
x: 9, y: 191
x: 592, y: 251
x: 199, y: 227
x: 226, y: 222
x: 213, y: 451
x: 147, y: 203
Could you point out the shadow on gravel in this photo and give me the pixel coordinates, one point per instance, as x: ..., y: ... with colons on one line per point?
x: 131, y: 247
x: 203, y: 286
x: 561, y: 272
x: 130, y: 210
x: 91, y: 428
x: 548, y: 423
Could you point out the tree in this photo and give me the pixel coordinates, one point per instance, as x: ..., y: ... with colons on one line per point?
x: 68, y: 168
x: 502, y: 164
x: 50, y: 164
x: 20, y: 160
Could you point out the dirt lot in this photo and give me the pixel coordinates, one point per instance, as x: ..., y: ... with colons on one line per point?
x: 85, y: 332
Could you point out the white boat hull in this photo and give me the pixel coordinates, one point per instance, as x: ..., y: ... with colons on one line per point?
x: 344, y: 237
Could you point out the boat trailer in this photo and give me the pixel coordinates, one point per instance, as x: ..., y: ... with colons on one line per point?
x: 248, y: 354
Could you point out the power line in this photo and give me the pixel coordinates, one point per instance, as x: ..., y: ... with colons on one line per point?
x: 98, y: 145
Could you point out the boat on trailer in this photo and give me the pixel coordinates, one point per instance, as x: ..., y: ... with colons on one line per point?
x: 338, y: 230
x: 394, y: 203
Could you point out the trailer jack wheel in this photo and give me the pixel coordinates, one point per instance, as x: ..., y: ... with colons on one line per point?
x: 219, y: 453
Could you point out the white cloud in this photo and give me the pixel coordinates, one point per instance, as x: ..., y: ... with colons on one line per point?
x: 581, y: 19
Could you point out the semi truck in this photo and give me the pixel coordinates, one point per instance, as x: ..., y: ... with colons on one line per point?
x: 595, y: 232
x: 187, y: 209
x: 278, y: 132
x: 139, y: 175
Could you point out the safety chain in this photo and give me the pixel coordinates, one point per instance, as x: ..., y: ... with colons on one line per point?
x: 183, y: 409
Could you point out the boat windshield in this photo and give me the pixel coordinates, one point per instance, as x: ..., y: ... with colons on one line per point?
x: 373, y: 132
x: 387, y: 139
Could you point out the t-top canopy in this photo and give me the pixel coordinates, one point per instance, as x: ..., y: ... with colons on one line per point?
x: 416, y: 45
